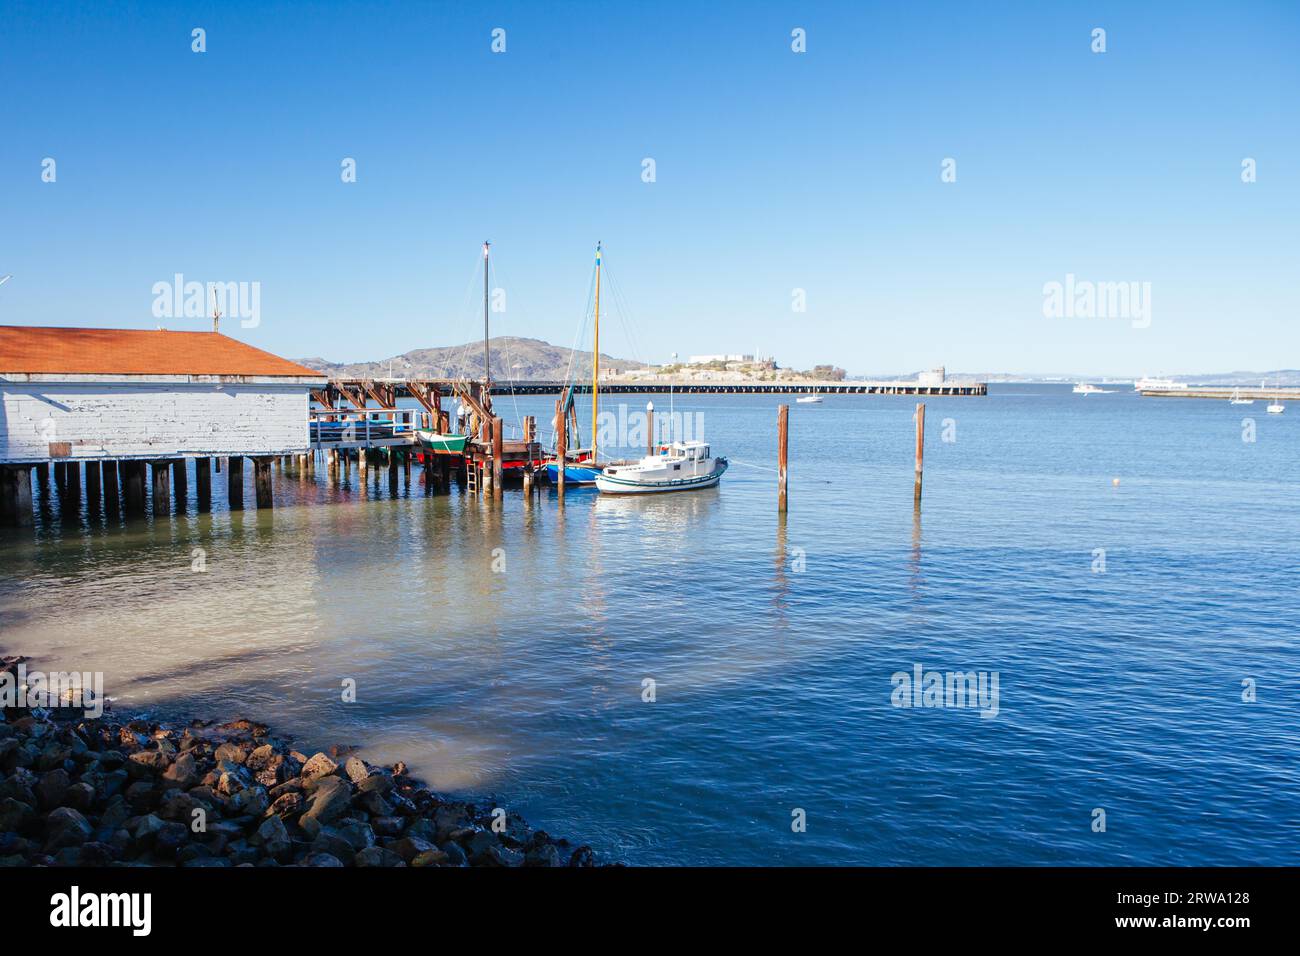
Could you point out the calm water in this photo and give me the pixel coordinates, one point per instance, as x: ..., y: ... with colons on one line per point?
x: 772, y: 646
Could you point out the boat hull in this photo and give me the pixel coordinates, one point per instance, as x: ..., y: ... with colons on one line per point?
x: 443, y: 444
x: 574, y: 474
x: 613, y: 485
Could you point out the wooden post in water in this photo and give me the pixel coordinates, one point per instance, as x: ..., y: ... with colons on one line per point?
x: 112, y: 497
x: 133, y: 487
x: 180, y: 485
x: 161, y: 488
x: 649, y: 428
x: 203, y: 483
x: 235, y: 483
x: 93, y: 493
x: 361, y: 465
x: 406, y: 466
x: 72, y: 487
x: 920, y: 452
x: 782, y: 457
x: 498, y: 444
x: 262, y: 481
x: 561, y: 441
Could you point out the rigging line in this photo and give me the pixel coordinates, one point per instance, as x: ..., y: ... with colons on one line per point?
x: 625, y: 317
x: 459, y: 362
x: 776, y: 471
x: 495, y: 273
x: 578, y: 337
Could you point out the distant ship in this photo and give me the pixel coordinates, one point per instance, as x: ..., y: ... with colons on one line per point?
x: 1157, y: 385
x: 1085, y: 388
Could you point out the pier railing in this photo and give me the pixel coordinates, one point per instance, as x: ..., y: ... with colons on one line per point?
x: 362, y: 428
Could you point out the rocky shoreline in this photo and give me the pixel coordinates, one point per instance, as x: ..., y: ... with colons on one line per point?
x: 77, y: 791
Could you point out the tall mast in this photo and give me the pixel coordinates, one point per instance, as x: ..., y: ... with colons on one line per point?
x: 595, y: 361
x: 487, y: 368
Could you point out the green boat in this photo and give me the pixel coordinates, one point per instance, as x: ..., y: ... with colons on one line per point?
x: 442, y: 444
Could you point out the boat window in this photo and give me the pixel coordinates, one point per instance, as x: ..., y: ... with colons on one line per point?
x: 677, y: 467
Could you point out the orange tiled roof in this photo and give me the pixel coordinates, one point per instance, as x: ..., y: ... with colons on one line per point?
x: 135, y: 352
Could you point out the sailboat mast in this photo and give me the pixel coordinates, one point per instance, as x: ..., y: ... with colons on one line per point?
x: 595, y: 361
x: 487, y: 368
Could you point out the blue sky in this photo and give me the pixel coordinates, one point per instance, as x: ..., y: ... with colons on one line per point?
x: 775, y: 171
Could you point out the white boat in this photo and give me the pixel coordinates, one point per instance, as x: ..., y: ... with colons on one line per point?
x: 1276, y: 407
x: 1084, y: 388
x: 813, y: 399
x: 680, y: 466
x: 1236, y: 398
x: 1157, y: 385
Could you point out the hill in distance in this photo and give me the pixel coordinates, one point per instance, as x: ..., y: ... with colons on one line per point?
x: 513, y: 358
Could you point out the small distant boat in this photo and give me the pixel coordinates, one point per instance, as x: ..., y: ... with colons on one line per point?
x: 1236, y: 398
x: 442, y: 444
x: 1276, y: 408
x: 1085, y: 388
x: 680, y: 466
x: 813, y: 399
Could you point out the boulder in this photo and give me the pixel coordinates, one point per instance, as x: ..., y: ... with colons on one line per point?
x: 65, y: 827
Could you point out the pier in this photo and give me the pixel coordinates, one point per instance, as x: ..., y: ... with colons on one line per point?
x: 1226, y: 392
x: 414, y: 388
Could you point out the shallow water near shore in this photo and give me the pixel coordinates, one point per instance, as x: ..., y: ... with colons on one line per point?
x: 771, y: 644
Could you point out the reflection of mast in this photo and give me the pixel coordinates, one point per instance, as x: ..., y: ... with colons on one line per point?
x: 595, y: 362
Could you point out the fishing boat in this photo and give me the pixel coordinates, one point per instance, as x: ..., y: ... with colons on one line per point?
x: 679, y: 466
x: 1236, y: 398
x: 581, y: 466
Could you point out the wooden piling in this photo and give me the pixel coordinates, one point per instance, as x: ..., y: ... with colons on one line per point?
x: 782, y: 458
x: 16, y: 495
x: 406, y: 467
x: 112, y: 497
x: 161, y: 487
x: 72, y: 486
x: 235, y: 483
x: 920, y: 452
x: 262, y: 481
x: 132, y: 474
x: 561, y: 450
x: 203, y: 483
x: 180, y: 485
x: 392, y: 469
x: 498, y: 455
x: 361, y: 464
x: 649, y: 428
x: 43, y: 475
x: 94, y: 497
x: 61, y: 476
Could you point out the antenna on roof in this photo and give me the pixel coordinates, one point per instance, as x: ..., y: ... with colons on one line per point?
x: 216, y: 316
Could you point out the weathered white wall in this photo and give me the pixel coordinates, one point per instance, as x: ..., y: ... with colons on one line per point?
x: 118, y: 420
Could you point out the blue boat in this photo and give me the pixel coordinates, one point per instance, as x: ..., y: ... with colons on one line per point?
x: 575, y: 473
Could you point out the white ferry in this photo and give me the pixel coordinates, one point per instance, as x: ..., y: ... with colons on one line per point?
x: 1158, y: 385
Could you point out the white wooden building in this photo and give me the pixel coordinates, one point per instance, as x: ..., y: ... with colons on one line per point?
x: 126, y: 393
x: 123, y: 397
